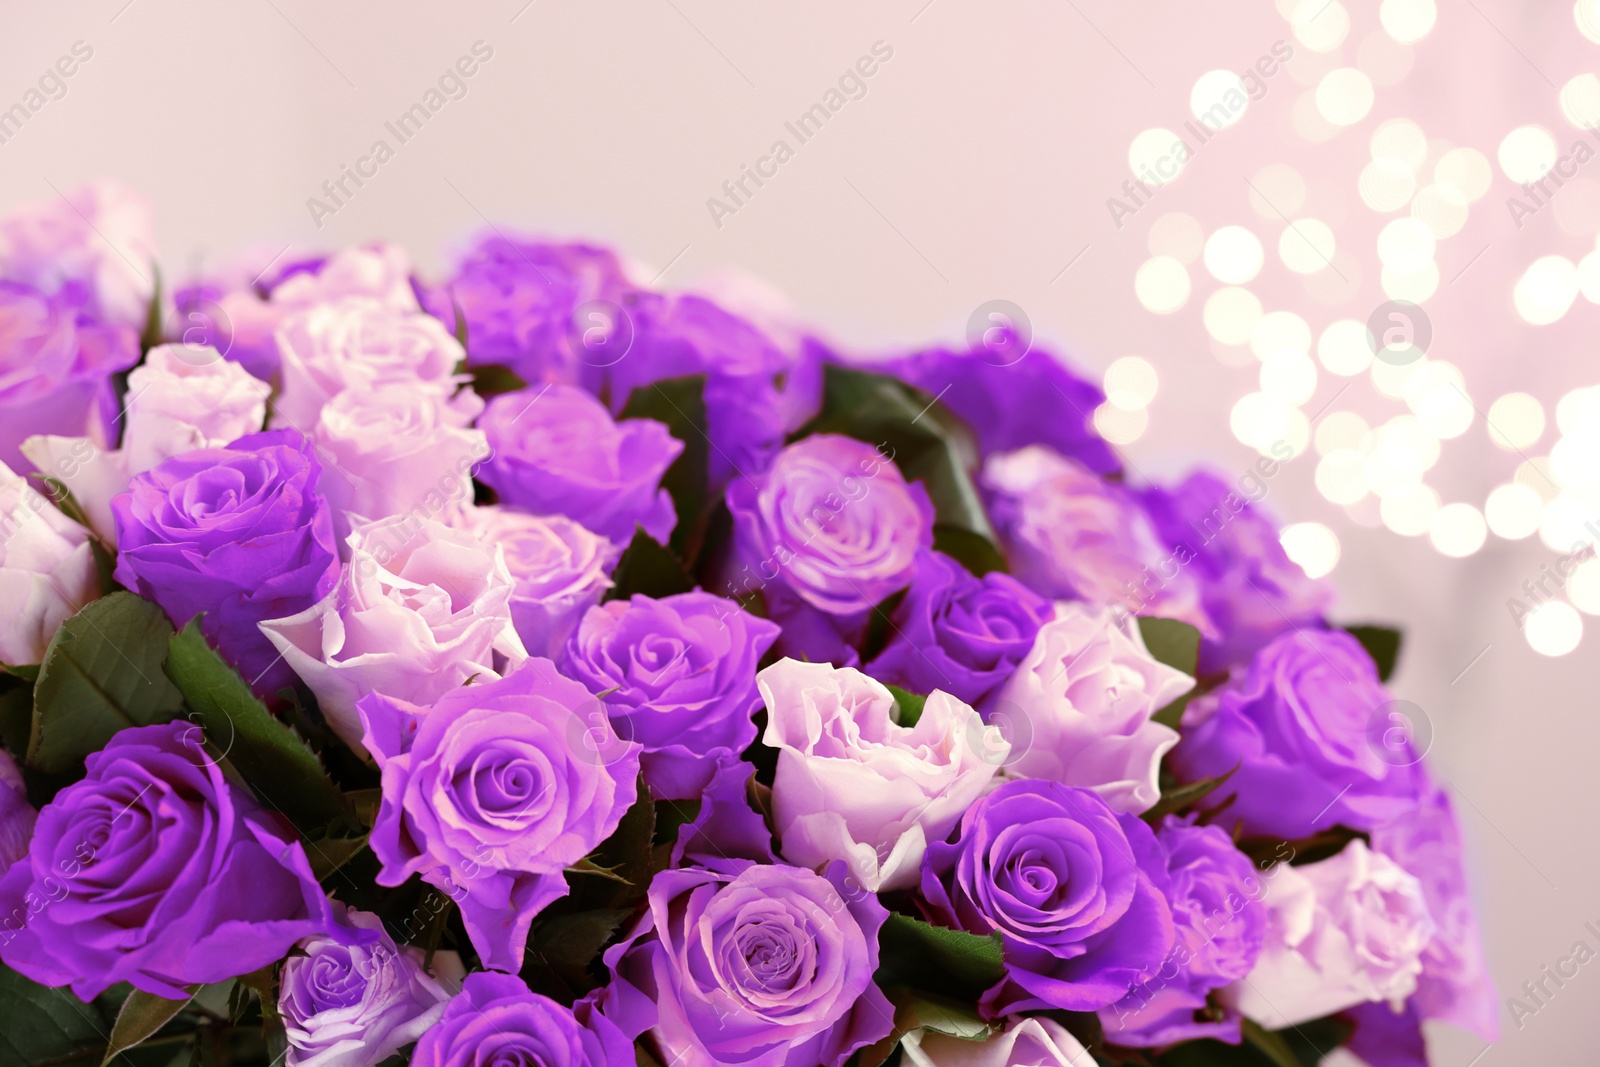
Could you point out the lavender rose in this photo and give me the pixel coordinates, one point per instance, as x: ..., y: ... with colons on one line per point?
x: 47, y: 570
x: 833, y: 522
x: 1297, y: 725
x: 240, y: 533
x: 156, y: 869
x: 1076, y: 892
x: 96, y: 244
x: 16, y: 814
x: 1341, y: 932
x: 854, y: 785
x: 355, y: 1005
x: 496, y: 1021
x: 558, y: 452
x: 1025, y: 1042
x: 1220, y: 925
x: 492, y: 792
x: 677, y: 675
x: 1079, y: 707
x: 760, y: 965
x: 958, y: 633
x: 559, y: 569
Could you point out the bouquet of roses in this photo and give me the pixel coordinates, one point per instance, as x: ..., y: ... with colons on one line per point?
x: 533, y: 667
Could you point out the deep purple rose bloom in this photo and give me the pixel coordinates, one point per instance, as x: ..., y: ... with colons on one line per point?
x: 958, y: 633
x: 1219, y: 922
x: 1249, y: 586
x: 1034, y: 400
x: 492, y: 792
x: 496, y: 1021
x: 1305, y: 724
x: 1076, y: 891
x: 752, y: 964
x: 240, y: 533
x: 556, y: 451
x: 155, y: 869
x: 678, y: 675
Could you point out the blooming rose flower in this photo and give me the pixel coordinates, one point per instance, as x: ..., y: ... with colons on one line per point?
x: 1425, y: 840
x: 756, y: 964
x: 1079, y: 707
x: 16, y: 814
x: 156, y: 869
x: 1297, y: 725
x: 240, y: 533
x: 47, y: 570
x: 1025, y: 1042
x: 958, y: 633
x: 1071, y: 533
x: 395, y: 450
x: 1076, y: 892
x: 492, y: 792
x: 418, y: 609
x: 677, y: 675
x: 1249, y: 587
x: 380, y: 271
x: 1220, y: 923
x: 96, y: 243
x: 559, y: 568
x: 557, y: 452
x: 1346, y: 930
x: 355, y: 1005
x: 497, y: 1020
x: 359, y: 343
x: 834, y: 522
x: 853, y: 785
x: 56, y: 365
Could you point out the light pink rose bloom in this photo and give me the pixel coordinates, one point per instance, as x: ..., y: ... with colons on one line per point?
x: 100, y: 237
x: 1074, y: 534
x: 560, y: 567
x: 182, y: 398
x: 381, y: 271
x: 47, y: 570
x: 1078, y: 708
x: 1345, y: 931
x: 854, y: 785
x: 419, y: 609
x: 1029, y: 1042
x: 359, y: 343
x: 395, y: 450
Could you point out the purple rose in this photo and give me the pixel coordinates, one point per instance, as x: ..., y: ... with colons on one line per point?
x: 492, y: 792
x: 355, y: 1005
x: 958, y: 633
x: 96, y: 243
x: 1010, y: 404
x: 1076, y: 891
x: 156, y: 869
x: 1220, y: 924
x: 1297, y: 723
x: 16, y: 814
x: 240, y: 533
x: 833, y: 522
x: 1249, y: 587
x: 677, y: 675
x: 763, y: 966
x: 56, y: 365
x: 497, y: 1021
x: 556, y: 451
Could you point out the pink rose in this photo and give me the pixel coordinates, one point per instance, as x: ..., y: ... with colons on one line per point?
x: 419, y: 609
x: 1078, y: 707
x: 854, y: 785
x: 98, y: 240
x: 47, y: 571
x: 1029, y: 1042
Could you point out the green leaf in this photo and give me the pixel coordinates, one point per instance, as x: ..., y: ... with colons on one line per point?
x: 491, y: 379
x: 1180, y: 797
x: 923, y: 1011
x: 1177, y: 644
x: 329, y: 854
x: 568, y: 944
x: 1382, y: 644
x: 267, y: 754
x: 680, y: 404
x: 1269, y: 1044
x: 28, y: 673
x: 922, y: 956
x: 16, y: 715
x: 141, y: 1016
x: 101, y: 674
x: 650, y: 568
x: 628, y: 854
x: 926, y: 441
x: 908, y: 706
x: 43, y: 1025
